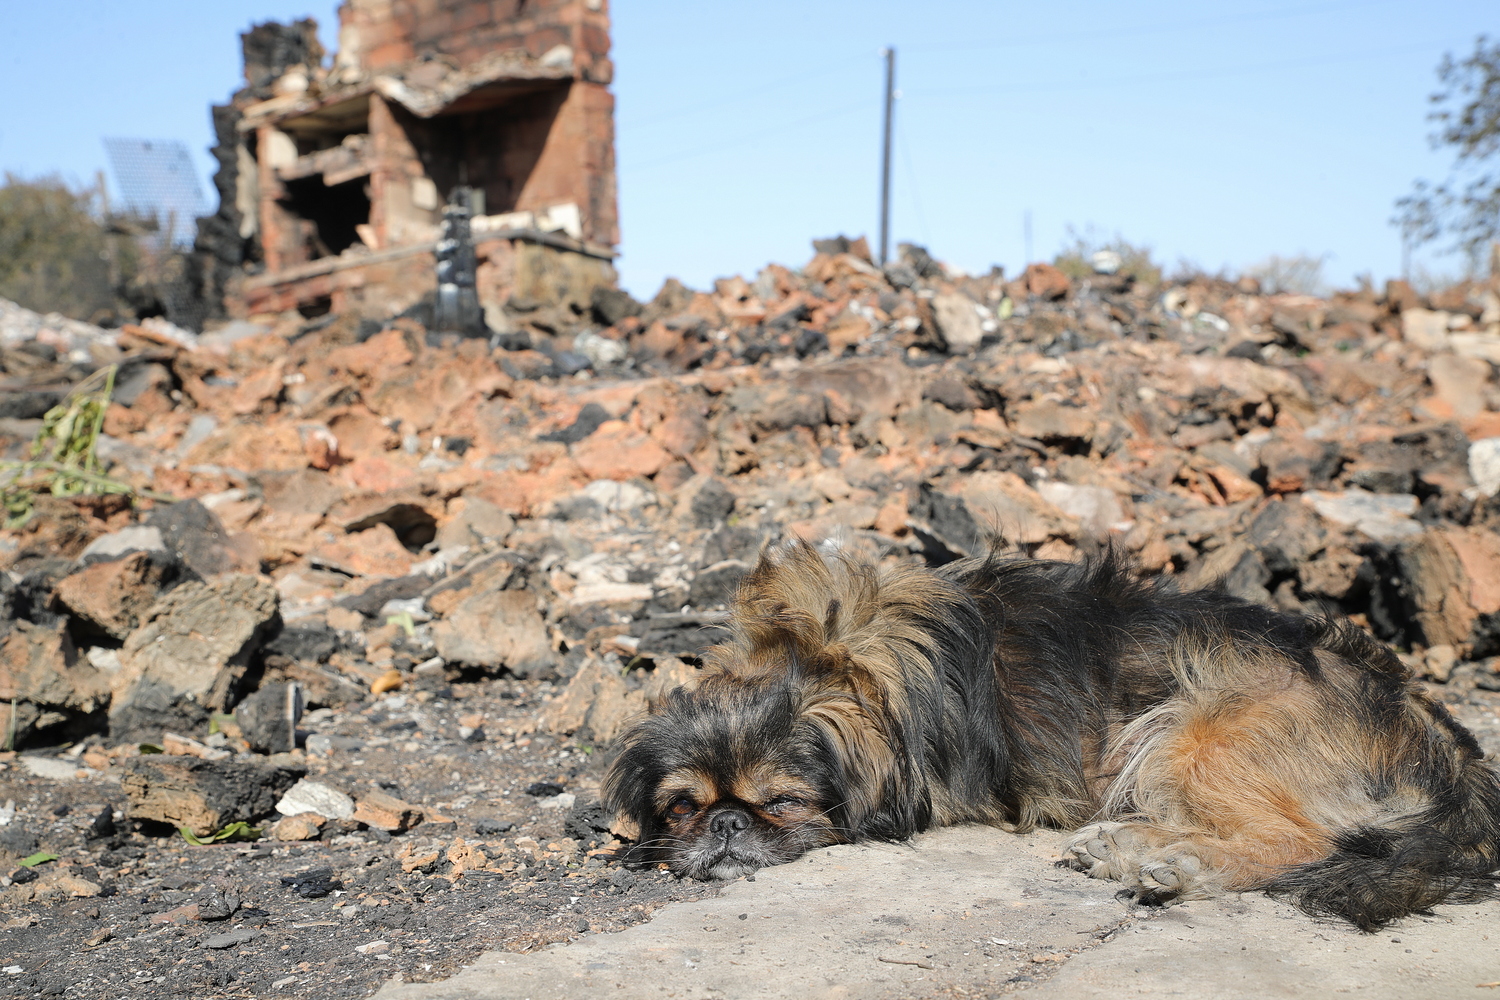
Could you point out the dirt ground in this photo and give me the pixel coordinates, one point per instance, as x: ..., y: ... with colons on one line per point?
x: 305, y: 909
x: 337, y: 917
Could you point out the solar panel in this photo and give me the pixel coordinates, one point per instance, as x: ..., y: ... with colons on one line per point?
x: 157, y: 180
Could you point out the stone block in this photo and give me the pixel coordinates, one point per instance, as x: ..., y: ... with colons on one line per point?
x: 203, y: 795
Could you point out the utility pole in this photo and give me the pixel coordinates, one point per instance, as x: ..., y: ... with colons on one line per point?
x: 885, y: 154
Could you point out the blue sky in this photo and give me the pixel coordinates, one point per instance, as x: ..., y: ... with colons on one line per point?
x: 1213, y: 133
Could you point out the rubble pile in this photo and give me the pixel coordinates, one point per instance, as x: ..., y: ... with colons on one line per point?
x: 376, y: 594
x: 368, y: 507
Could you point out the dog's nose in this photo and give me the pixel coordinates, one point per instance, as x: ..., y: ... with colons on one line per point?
x: 729, y: 822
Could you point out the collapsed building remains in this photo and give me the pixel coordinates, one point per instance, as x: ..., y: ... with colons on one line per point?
x: 334, y: 180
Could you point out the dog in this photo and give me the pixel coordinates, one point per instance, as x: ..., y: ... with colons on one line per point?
x: 1196, y: 743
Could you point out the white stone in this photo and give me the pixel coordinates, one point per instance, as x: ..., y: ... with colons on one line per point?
x: 1484, y: 465
x: 958, y: 321
x: 50, y: 767
x: 414, y: 606
x: 609, y: 593
x: 198, y: 430
x: 1485, y: 346
x: 103, y: 658
x: 602, y: 351
x: 1385, y: 517
x: 1096, y: 506
x: 1425, y: 328
x: 615, y: 497
x: 315, y: 797
x: 137, y: 538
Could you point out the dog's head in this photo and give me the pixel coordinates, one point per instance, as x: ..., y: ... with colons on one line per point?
x: 798, y: 735
x: 728, y: 779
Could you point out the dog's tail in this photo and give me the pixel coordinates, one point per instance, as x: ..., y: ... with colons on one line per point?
x: 1379, y: 873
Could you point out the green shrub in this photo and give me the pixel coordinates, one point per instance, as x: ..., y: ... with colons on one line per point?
x: 1076, y: 259
x: 56, y: 255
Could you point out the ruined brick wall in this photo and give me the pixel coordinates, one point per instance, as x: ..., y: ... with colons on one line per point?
x: 229, y: 239
x: 559, y: 140
x: 326, y: 165
x: 380, y: 34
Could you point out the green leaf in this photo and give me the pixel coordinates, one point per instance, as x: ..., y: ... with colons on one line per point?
x: 404, y: 620
x: 239, y: 831
x: 151, y: 748
x: 39, y: 858
x: 234, y: 831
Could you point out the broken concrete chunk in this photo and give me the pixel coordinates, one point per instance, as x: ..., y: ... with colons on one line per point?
x: 475, y: 522
x: 197, y: 536
x: 1425, y: 328
x: 304, y: 826
x: 386, y: 812
x: 188, y: 656
x: 46, y: 689
x: 203, y: 795
x: 1452, y: 580
x: 945, y: 526
x: 268, y: 718
x: 113, y: 596
x: 497, y: 629
x: 1052, y: 422
x: 598, y: 701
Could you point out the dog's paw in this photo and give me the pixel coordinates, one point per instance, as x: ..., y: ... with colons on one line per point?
x: 1134, y: 855
x: 1104, y: 850
x: 1172, y: 877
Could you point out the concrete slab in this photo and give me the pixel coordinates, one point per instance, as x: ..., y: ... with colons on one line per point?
x: 1256, y: 948
x: 973, y: 911
x: 962, y: 905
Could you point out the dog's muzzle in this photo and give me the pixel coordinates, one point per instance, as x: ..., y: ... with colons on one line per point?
x: 729, y: 852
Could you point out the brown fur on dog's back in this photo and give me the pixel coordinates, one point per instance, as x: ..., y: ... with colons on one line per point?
x: 1208, y: 743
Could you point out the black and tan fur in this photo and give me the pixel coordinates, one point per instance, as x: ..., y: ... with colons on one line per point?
x: 1196, y: 743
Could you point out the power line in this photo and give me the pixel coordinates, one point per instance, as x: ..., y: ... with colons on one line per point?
x: 719, y: 102
x: 750, y: 136
x: 911, y: 173
x: 1303, y: 63
x: 885, y: 153
x: 1147, y: 29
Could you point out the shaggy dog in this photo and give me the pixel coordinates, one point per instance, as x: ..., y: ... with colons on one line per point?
x: 1195, y: 742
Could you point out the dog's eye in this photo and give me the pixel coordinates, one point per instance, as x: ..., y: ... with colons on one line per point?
x: 682, y: 807
x: 781, y: 802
